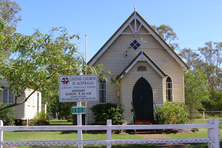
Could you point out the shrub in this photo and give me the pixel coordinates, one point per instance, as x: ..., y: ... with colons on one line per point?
x: 6, y: 115
x: 173, y: 113
x: 102, y: 112
x: 24, y: 123
x: 41, y: 118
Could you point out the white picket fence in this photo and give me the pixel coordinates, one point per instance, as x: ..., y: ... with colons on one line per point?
x: 212, y: 140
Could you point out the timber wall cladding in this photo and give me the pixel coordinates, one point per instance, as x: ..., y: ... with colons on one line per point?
x: 129, y: 81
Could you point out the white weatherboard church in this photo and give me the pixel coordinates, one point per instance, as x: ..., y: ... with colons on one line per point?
x: 148, y: 72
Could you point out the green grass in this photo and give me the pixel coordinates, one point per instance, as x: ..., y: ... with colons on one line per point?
x: 59, y: 135
x: 202, y: 133
x: 59, y: 122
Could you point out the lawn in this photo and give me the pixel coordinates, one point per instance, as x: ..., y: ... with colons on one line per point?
x: 202, y: 133
x: 59, y: 135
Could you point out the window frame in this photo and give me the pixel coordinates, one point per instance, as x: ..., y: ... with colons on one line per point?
x: 10, y: 95
x: 105, y: 91
x: 169, y: 89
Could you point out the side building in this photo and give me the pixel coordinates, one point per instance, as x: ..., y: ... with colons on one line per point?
x: 25, y: 111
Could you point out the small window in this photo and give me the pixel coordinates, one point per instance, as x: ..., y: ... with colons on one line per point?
x: 169, y: 93
x: 141, y: 68
x: 8, y: 96
x: 102, y: 91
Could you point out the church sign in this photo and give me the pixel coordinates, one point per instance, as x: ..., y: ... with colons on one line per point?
x: 78, y: 88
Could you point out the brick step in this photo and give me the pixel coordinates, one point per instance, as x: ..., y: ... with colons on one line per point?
x: 145, y: 122
x: 147, y: 132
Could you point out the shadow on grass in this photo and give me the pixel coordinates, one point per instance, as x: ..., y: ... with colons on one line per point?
x: 68, y: 132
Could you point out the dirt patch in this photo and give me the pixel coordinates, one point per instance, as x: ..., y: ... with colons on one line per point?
x: 168, y: 145
x: 179, y: 131
x: 171, y: 145
x: 152, y: 136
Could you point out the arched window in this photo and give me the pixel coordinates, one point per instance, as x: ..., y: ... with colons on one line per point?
x: 169, y: 92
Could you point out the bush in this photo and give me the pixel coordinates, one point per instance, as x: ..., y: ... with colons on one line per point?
x: 41, y: 118
x: 102, y: 112
x: 173, y: 113
x: 6, y: 115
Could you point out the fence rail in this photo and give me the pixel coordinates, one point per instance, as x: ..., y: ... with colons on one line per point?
x: 212, y: 140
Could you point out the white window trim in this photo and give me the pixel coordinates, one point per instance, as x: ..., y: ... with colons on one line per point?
x: 13, y: 100
x: 105, y: 91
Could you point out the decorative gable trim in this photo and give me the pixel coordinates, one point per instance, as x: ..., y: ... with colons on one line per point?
x: 134, y: 17
x: 141, y: 57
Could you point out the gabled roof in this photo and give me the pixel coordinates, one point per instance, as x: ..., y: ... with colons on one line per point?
x: 142, y: 56
x: 135, y: 16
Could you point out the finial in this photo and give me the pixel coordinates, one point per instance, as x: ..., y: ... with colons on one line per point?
x: 134, y: 8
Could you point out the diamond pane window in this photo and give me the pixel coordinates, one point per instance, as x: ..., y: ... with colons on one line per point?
x: 135, y: 44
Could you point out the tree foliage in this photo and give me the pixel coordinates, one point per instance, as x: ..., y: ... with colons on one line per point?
x: 214, y: 103
x: 209, y: 59
x: 167, y: 33
x: 38, y: 60
x: 10, y: 12
x: 196, y: 90
x: 7, y: 115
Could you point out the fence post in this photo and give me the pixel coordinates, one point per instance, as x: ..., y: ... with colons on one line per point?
x: 109, y: 132
x: 1, y: 133
x: 214, y: 133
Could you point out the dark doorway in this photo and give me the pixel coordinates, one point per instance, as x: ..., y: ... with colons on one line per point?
x: 143, y: 100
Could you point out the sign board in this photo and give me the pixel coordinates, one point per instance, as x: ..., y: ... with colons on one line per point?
x: 78, y: 88
x: 79, y: 110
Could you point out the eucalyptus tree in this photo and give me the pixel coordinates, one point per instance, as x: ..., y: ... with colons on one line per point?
x: 9, y: 11
x: 192, y: 58
x: 167, y: 33
x: 211, y: 56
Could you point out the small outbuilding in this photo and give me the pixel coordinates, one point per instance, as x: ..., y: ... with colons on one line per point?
x: 25, y: 111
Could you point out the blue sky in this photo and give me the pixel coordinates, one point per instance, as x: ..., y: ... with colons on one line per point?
x: 194, y: 21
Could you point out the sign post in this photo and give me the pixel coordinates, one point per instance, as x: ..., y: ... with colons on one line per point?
x: 79, y: 123
x: 78, y: 88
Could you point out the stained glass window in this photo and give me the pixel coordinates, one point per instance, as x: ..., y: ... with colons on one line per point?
x: 135, y: 44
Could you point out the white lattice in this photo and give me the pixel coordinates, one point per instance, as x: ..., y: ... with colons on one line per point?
x: 90, y: 142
